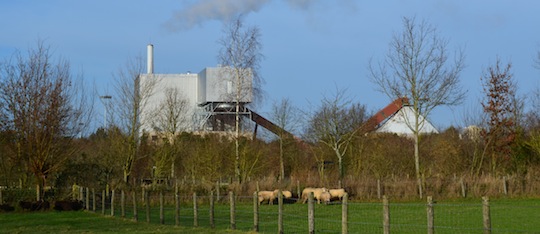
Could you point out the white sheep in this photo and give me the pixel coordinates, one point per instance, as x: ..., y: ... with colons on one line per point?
x: 318, y: 193
x: 337, y: 193
x: 286, y: 194
x: 266, y: 196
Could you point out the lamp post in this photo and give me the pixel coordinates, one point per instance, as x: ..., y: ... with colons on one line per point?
x: 105, y: 98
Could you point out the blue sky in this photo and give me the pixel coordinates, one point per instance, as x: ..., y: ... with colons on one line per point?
x: 311, y: 47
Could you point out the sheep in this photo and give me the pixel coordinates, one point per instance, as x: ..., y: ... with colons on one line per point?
x: 266, y: 196
x: 337, y: 193
x: 317, y: 192
x: 286, y: 194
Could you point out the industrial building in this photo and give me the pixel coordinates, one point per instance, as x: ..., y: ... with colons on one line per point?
x: 208, y: 100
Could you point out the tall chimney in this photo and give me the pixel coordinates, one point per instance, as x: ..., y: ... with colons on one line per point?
x: 150, y: 58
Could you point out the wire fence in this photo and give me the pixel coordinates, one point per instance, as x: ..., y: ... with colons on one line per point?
x: 291, y: 216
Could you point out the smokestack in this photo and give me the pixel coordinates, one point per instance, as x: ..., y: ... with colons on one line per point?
x: 150, y: 58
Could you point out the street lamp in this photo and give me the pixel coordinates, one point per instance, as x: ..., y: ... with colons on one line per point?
x: 105, y: 98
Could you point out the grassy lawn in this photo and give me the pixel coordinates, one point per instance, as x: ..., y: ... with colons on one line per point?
x: 460, y: 216
x: 85, y: 222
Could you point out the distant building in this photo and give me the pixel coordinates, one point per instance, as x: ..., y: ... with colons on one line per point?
x: 208, y: 98
x: 398, y: 117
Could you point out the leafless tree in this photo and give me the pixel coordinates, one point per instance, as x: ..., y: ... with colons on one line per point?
x: 169, y: 118
x: 133, y: 91
x: 287, y: 118
x: 335, y: 125
x: 45, y: 108
x: 419, y: 67
x: 241, y: 55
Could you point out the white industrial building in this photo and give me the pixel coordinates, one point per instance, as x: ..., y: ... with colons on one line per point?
x: 209, y: 99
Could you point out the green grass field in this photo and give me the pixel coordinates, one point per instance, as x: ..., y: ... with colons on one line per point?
x: 464, y: 216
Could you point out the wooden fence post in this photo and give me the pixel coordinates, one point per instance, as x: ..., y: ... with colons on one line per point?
x: 177, y: 205
x: 87, y: 205
x: 112, y: 202
x: 255, y: 211
x: 311, y: 214
x: 161, y: 214
x: 280, y: 212
x: 463, y: 188
x: 212, y: 223
x: 195, y: 211
x: 486, y: 215
x: 386, y: 215
x: 217, y: 189
x: 147, y: 204
x: 135, y: 213
x: 233, y: 210
x: 430, y: 218
x: 93, y: 199
x: 345, y: 214
x: 505, y: 185
x: 379, y: 190
x: 298, y: 190
x: 103, y: 202
x: 122, y: 204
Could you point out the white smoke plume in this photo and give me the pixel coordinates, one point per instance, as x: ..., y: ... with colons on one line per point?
x: 201, y: 11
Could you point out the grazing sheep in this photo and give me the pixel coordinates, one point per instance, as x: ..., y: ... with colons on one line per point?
x: 286, y: 194
x: 266, y: 196
x: 325, y: 197
x: 317, y: 192
x: 337, y: 193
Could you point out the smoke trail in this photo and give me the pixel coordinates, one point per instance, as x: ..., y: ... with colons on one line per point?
x: 205, y: 10
x: 222, y: 10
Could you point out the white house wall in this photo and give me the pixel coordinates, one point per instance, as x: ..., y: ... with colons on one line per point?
x: 400, y: 122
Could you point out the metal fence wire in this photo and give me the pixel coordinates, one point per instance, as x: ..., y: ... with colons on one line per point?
x: 291, y: 216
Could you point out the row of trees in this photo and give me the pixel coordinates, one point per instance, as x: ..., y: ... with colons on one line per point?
x: 43, y: 110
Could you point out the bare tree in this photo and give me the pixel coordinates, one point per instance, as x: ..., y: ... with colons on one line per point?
x: 286, y: 117
x: 336, y: 123
x: 241, y: 55
x: 45, y: 108
x: 169, y: 119
x: 133, y: 91
x: 418, y: 67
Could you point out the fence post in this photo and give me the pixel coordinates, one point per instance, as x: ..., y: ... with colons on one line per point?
x: 486, y: 215
x: 311, y: 214
x: 135, y: 213
x: 177, y: 205
x: 255, y: 211
x: 122, y: 203
x: 430, y: 218
x: 463, y: 188
x: 233, y: 210
x: 212, y: 223
x: 195, y: 211
x: 147, y: 204
x: 298, y: 190
x: 280, y: 212
x: 379, y: 190
x: 161, y: 214
x: 103, y: 202
x: 93, y: 200
x: 112, y: 202
x: 87, y: 205
x: 505, y: 185
x: 386, y: 216
x: 345, y: 214
x: 217, y: 189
